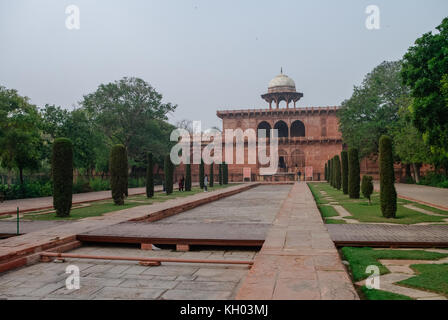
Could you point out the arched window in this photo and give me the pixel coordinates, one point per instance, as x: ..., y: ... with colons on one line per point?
x: 297, y: 129
x: 264, y: 126
x: 282, y: 128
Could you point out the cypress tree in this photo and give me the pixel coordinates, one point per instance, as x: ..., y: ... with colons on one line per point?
x: 62, y: 174
x: 344, y: 163
x: 330, y: 170
x: 188, y: 177
x: 220, y: 174
x: 168, y: 168
x: 325, y: 172
x: 353, y: 173
x: 201, y: 174
x: 118, y: 173
x: 388, y: 194
x: 225, y: 174
x: 150, y: 176
x: 337, y: 175
x: 210, y: 176
x: 333, y: 172
x: 367, y: 187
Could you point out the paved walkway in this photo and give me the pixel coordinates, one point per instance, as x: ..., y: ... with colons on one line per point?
x: 47, y: 202
x: 298, y: 259
x: 429, y: 195
x: 384, y: 234
x: 33, y: 242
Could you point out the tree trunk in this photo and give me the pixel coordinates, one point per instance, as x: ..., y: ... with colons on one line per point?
x: 416, y: 168
x: 408, y: 173
x: 21, y: 175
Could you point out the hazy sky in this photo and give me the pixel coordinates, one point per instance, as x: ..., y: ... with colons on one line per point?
x: 204, y: 55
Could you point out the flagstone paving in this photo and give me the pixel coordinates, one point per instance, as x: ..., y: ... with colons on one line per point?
x: 298, y: 259
x: 105, y: 279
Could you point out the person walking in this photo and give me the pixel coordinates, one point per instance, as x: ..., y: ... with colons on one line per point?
x: 205, y: 183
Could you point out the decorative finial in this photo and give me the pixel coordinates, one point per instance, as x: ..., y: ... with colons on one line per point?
x: 281, y: 70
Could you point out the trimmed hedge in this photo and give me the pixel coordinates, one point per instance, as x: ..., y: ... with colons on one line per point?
x: 169, y: 171
x: 118, y: 173
x: 388, y: 194
x: 150, y: 176
x: 367, y: 187
x: 344, y: 171
x: 201, y: 174
x: 188, y: 177
x: 353, y: 173
x: 337, y: 175
x: 210, y: 176
x: 225, y: 173
x: 62, y: 174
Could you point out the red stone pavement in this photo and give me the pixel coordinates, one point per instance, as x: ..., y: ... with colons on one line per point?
x: 298, y: 260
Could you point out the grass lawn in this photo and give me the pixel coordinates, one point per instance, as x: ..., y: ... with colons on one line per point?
x: 365, y: 212
x: 360, y: 258
x: 374, y: 294
x: 334, y: 221
x: 99, y: 208
x: 430, y: 277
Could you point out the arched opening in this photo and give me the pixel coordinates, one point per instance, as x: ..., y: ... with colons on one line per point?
x: 282, y: 161
x: 264, y: 126
x: 282, y: 128
x: 297, y: 129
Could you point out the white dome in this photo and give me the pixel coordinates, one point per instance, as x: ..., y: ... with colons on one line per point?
x: 282, y: 81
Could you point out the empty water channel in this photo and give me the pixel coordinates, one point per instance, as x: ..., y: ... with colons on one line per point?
x: 111, y: 279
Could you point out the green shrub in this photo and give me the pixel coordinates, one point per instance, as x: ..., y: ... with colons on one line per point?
x: 337, y: 175
x: 220, y: 174
x: 188, y: 177
x: 201, y: 174
x: 98, y: 184
x: 62, y: 173
x: 118, y: 173
x: 169, y: 170
x: 435, y: 180
x: 326, y: 171
x: 344, y: 171
x: 225, y: 173
x: 367, y: 187
x: 149, y: 176
x: 210, y: 176
x: 388, y: 194
x: 353, y: 173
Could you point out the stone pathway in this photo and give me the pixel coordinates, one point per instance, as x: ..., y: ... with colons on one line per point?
x: 105, y: 279
x: 400, y: 270
x: 298, y: 259
x: 437, y: 197
x: 34, y: 241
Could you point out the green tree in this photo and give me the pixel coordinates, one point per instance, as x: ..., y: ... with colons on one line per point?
x: 337, y: 176
x: 425, y: 71
x: 169, y: 170
x: 372, y: 110
x: 388, y: 194
x: 367, y: 187
x: 353, y: 173
x: 188, y: 177
x: 62, y: 174
x: 211, y: 176
x: 225, y: 173
x: 344, y: 171
x: 330, y: 171
x: 201, y: 174
x: 326, y: 171
x: 220, y: 174
x: 20, y: 136
x: 150, y: 177
x: 130, y: 112
x: 118, y: 173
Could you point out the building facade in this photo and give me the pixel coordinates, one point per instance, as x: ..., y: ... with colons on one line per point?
x: 308, y: 137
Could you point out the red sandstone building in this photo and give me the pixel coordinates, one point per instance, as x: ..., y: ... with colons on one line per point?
x: 308, y: 137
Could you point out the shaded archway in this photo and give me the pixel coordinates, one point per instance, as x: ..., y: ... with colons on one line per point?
x: 282, y: 128
x: 264, y: 126
x: 297, y: 129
